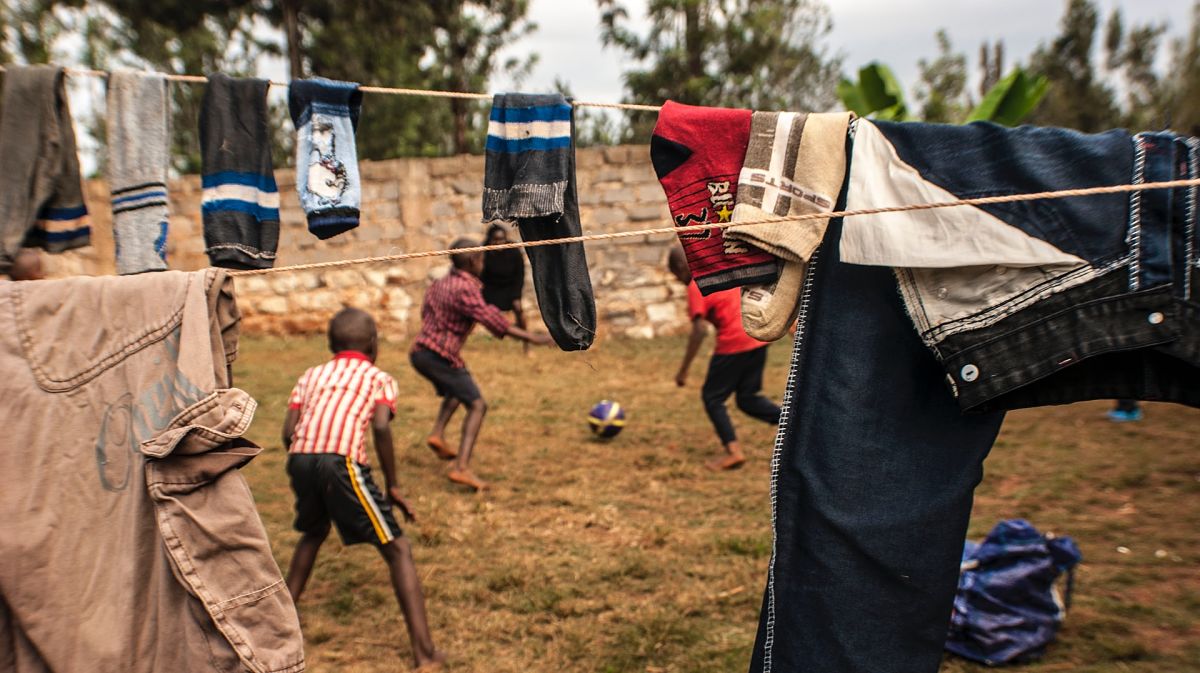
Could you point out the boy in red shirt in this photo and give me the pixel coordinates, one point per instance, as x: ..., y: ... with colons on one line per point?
x: 332, y: 409
x: 736, y: 366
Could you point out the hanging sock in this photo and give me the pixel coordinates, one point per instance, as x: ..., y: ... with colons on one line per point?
x: 41, y: 195
x: 795, y: 165
x: 697, y: 153
x: 325, y: 113
x: 241, y: 201
x: 138, y: 135
x: 530, y: 177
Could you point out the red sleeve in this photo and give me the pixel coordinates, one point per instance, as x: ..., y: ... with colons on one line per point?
x: 296, y: 399
x: 386, y: 391
x: 472, y: 304
x: 697, y: 304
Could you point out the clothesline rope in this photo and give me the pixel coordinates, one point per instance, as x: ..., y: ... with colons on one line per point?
x: 393, y: 91
x: 980, y: 201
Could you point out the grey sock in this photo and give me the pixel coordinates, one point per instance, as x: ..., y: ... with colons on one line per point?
x: 138, y: 129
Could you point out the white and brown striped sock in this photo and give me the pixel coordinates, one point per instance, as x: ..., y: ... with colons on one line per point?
x: 795, y: 165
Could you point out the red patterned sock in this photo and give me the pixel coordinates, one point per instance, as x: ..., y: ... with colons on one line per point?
x: 697, y: 153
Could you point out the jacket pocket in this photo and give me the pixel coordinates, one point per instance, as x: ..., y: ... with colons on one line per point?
x: 211, y: 531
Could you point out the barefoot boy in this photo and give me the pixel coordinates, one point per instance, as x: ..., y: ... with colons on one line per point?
x: 325, y: 433
x: 736, y: 366
x: 449, y: 312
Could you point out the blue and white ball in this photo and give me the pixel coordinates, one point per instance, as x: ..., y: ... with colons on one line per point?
x: 607, y: 419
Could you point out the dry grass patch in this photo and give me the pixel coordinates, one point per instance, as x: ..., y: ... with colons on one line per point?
x: 628, y: 556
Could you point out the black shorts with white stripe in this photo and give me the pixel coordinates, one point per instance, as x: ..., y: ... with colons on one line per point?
x: 335, y: 488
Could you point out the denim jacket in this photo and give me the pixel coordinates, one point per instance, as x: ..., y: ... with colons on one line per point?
x: 1037, y: 302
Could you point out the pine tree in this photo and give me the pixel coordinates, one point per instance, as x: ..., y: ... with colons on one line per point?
x: 1131, y: 55
x: 991, y: 65
x: 1077, y: 98
x: 1182, y: 94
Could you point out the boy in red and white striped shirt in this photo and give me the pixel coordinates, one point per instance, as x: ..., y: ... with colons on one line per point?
x: 325, y: 433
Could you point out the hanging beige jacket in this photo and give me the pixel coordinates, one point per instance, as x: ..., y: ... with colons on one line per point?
x: 129, y: 540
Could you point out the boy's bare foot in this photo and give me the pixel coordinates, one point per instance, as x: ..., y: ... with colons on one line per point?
x: 466, y: 478
x: 438, y: 446
x: 433, y: 663
x: 730, y: 461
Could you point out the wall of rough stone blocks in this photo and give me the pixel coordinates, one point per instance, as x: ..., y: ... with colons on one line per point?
x: 424, y: 204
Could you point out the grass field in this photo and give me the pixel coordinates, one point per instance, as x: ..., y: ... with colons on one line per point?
x: 629, y: 556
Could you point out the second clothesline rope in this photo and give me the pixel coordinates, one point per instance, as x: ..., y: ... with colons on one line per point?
x: 980, y: 201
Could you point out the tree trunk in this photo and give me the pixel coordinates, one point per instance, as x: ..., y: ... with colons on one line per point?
x: 991, y: 63
x: 692, y: 40
x: 459, y: 107
x: 291, y: 29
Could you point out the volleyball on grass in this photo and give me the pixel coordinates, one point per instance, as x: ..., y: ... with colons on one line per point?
x: 607, y: 419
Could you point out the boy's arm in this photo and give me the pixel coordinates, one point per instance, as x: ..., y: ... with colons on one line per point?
x: 381, y: 430
x: 289, y: 426
x: 523, y: 335
x: 493, y: 319
x: 693, y: 347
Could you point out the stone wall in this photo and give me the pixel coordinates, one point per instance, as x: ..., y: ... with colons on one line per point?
x: 424, y: 204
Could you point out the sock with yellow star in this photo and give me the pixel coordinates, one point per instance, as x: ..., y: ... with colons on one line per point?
x: 697, y: 154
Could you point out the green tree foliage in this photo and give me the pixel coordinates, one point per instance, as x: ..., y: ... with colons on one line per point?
x: 174, y: 36
x: 28, y: 29
x: 467, y: 41
x: 1078, y: 98
x: 878, y: 94
x: 593, y: 127
x: 1181, y: 99
x: 758, y: 54
x: 1132, y: 55
x: 376, y: 43
x: 1011, y: 99
x: 942, y: 90
x: 991, y: 65
x: 446, y: 45
x: 1141, y: 96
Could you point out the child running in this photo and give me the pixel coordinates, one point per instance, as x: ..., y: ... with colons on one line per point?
x: 736, y: 366
x: 325, y: 433
x: 449, y: 312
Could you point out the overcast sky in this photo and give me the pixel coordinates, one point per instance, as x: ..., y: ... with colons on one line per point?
x: 897, y: 33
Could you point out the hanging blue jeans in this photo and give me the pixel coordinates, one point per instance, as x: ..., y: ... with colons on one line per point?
x: 1046, y: 301
x: 872, y: 485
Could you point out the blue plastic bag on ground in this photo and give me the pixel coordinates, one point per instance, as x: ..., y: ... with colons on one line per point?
x: 1007, y: 608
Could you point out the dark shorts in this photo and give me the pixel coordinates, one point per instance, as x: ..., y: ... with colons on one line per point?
x: 448, y: 380
x: 332, y: 487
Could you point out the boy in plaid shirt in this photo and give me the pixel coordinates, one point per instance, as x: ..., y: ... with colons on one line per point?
x: 325, y: 433
x: 449, y: 312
